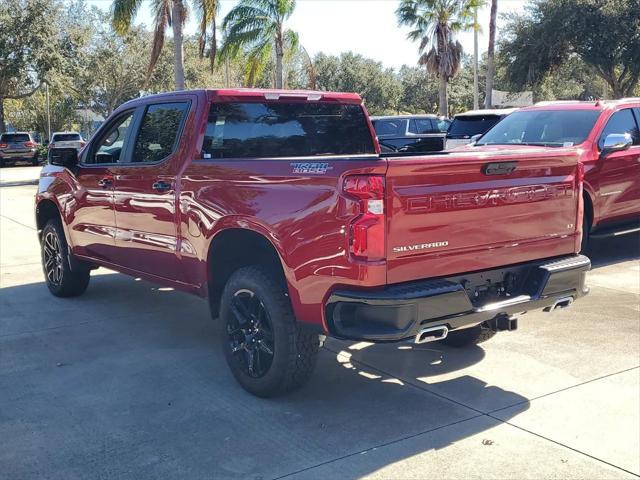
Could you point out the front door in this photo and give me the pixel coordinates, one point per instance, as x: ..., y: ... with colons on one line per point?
x: 145, y: 193
x: 619, y: 186
x: 92, y: 227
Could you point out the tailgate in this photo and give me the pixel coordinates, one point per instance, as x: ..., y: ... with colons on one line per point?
x: 464, y: 212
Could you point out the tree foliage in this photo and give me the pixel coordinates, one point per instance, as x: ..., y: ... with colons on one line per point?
x: 604, y: 34
x: 256, y: 28
x: 28, y: 47
x: 350, y: 72
x: 434, y: 24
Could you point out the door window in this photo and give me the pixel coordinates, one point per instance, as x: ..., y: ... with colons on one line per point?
x: 390, y: 128
x: 111, y: 145
x: 421, y: 125
x: 621, y: 122
x: 159, y: 132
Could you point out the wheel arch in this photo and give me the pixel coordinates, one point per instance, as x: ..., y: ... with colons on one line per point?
x: 46, y: 209
x: 236, y: 247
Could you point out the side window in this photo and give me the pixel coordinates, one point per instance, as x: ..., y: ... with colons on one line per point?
x: 390, y: 127
x: 621, y: 122
x: 159, y: 131
x: 111, y: 144
x: 421, y: 125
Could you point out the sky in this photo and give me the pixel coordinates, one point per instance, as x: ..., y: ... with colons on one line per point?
x: 367, y: 27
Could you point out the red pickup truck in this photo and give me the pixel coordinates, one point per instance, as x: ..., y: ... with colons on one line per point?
x: 606, y: 137
x: 278, y: 207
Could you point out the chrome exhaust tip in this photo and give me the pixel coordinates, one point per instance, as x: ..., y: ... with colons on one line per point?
x: 560, y: 303
x: 432, y: 334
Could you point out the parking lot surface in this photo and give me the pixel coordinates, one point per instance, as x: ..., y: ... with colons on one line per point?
x: 129, y: 382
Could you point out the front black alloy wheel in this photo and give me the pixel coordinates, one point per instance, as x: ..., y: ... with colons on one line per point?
x: 250, y: 334
x: 52, y: 257
x: 60, y: 279
x: 265, y: 348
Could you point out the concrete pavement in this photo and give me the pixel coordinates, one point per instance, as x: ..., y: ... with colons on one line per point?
x: 129, y: 381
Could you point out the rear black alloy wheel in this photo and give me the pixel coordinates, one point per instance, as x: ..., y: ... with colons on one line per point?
x: 53, y: 261
x: 250, y: 334
x: 266, y: 349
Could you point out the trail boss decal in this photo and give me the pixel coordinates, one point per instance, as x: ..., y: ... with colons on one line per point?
x: 312, y: 168
x: 420, y: 246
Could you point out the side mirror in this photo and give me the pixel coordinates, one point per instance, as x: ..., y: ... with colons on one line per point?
x: 616, y: 142
x: 63, y: 157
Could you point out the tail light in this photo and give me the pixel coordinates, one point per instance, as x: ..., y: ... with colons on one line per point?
x: 367, y: 233
x: 82, y: 144
x: 4, y: 145
x: 51, y: 145
x: 29, y: 144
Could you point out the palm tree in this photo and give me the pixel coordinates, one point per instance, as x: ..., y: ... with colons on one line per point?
x: 435, y: 23
x: 258, y: 26
x: 491, y: 52
x: 169, y: 13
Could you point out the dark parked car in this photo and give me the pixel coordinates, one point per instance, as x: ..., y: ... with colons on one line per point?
x: 411, y: 133
x: 18, y: 146
x: 465, y: 126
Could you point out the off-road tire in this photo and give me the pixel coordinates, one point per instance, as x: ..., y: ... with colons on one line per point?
x: 294, y: 351
x: 69, y: 283
x: 468, y: 336
x: 586, y: 227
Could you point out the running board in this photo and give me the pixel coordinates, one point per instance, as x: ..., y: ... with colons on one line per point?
x: 614, y: 233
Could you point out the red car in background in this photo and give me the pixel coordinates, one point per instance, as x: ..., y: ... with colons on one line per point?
x: 605, y: 135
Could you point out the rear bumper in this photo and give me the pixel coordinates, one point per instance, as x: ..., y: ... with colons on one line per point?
x: 400, y: 311
x: 22, y: 155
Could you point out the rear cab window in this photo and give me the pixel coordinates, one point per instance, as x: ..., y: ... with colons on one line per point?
x: 14, y: 138
x: 66, y: 137
x: 285, y: 129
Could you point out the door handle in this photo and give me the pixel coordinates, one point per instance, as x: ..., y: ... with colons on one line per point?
x: 105, y: 182
x: 161, y: 186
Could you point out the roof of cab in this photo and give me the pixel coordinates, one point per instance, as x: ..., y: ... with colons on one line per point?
x: 273, y: 94
x: 488, y: 111
x: 583, y: 105
x: 239, y: 94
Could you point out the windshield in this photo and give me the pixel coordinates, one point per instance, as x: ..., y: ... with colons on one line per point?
x: 549, y: 128
x: 470, y: 125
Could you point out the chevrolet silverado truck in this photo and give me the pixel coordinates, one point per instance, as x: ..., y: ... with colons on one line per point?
x: 606, y: 137
x: 278, y: 207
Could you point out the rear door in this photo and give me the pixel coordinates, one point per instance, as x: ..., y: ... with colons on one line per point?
x: 619, y: 172
x: 145, y: 189
x: 472, y: 211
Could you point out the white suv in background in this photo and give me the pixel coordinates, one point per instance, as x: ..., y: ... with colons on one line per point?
x: 66, y: 140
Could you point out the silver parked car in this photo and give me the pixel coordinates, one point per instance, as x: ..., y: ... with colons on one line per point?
x: 16, y: 147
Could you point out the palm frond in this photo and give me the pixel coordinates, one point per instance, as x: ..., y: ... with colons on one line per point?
x: 123, y: 14
x: 161, y: 21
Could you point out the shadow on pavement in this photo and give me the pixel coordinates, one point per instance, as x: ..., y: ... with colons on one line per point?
x: 129, y: 381
x: 608, y: 251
